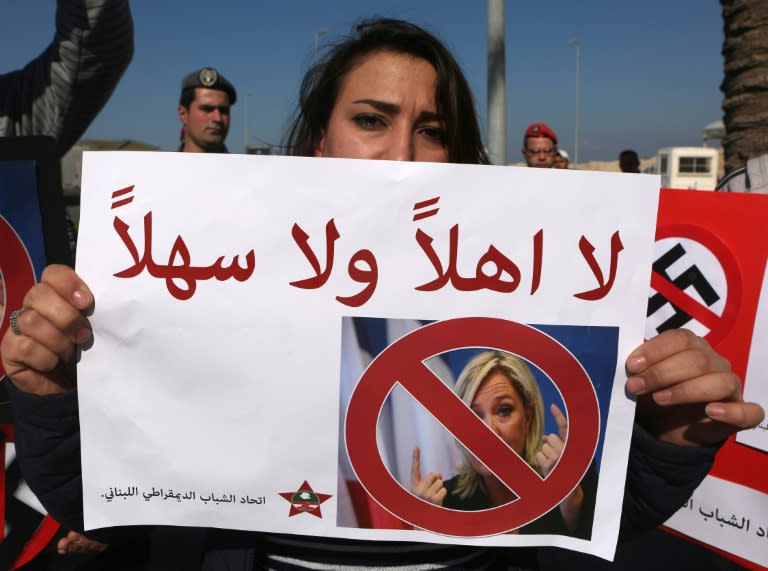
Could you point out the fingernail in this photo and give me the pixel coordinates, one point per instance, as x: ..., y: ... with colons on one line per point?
x: 662, y: 397
x: 635, y: 385
x: 636, y: 364
x: 80, y: 299
x: 715, y: 410
x: 82, y: 335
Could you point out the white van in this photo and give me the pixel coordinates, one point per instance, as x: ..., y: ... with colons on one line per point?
x: 688, y: 167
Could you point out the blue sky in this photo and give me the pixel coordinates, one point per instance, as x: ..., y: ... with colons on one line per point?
x: 650, y: 71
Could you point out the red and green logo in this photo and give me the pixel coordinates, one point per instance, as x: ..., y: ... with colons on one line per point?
x: 305, y: 500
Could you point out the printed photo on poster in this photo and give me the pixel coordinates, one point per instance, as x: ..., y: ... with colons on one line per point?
x: 428, y: 451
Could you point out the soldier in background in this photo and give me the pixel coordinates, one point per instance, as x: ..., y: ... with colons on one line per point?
x: 204, y: 104
x: 539, y: 146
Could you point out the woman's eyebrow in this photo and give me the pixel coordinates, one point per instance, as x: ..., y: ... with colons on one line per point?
x: 380, y: 105
x: 394, y: 108
x: 428, y: 116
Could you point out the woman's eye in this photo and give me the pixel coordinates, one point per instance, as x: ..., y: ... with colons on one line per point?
x: 505, y: 410
x: 367, y: 121
x: 434, y: 133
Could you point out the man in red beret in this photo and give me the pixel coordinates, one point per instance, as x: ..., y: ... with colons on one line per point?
x: 539, y: 146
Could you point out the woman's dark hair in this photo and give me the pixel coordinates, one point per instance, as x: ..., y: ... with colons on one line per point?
x: 321, y: 84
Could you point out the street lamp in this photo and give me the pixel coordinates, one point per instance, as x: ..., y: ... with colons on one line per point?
x: 497, y: 95
x: 577, y: 44
x: 318, y: 33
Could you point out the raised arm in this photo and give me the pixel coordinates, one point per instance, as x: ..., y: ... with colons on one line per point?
x: 61, y: 91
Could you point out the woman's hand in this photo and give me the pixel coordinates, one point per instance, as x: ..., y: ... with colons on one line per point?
x: 431, y: 487
x: 687, y: 393
x: 551, y: 449
x: 77, y: 543
x: 41, y: 359
x: 552, y: 444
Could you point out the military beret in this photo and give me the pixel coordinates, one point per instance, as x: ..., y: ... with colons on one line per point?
x: 209, y: 78
x: 541, y: 130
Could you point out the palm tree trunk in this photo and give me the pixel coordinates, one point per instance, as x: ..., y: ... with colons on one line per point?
x: 745, y: 85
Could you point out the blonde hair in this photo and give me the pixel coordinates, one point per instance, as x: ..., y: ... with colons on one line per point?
x: 477, y: 370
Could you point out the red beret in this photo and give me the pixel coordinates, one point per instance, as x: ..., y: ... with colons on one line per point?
x: 541, y: 130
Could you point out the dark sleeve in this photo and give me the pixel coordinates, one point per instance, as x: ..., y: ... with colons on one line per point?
x: 660, y: 479
x: 47, y: 435
x: 61, y: 91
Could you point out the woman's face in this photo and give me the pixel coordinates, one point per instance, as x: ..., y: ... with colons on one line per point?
x: 500, y: 406
x: 386, y: 110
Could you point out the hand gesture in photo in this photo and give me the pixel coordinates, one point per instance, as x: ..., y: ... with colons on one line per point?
x: 551, y: 449
x: 552, y: 444
x: 431, y: 486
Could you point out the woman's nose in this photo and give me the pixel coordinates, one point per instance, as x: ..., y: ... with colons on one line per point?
x: 490, y: 420
x: 400, y: 146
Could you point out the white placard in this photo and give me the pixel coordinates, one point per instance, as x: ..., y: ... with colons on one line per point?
x: 211, y: 394
x: 755, y: 383
x: 728, y: 516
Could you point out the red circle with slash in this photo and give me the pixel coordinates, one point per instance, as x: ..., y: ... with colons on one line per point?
x: 718, y: 325
x: 403, y: 363
x: 18, y: 273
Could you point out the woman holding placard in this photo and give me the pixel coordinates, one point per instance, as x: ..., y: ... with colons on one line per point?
x: 391, y: 91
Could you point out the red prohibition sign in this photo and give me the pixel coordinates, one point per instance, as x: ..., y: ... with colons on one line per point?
x: 403, y: 363
x: 718, y: 325
x: 18, y: 274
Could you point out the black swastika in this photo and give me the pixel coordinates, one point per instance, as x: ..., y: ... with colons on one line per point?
x: 690, y: 277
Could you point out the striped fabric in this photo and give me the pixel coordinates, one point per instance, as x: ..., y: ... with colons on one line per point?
x: 61, y: 91
x: 752, y: 177
x: 281, y: 552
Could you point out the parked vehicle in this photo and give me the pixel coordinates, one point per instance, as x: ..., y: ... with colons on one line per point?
x: 688, y: 167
